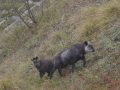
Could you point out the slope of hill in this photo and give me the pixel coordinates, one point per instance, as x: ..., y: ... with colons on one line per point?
x: 65, y: 22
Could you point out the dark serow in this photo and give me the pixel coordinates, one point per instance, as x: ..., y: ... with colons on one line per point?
x: 71, y: 55
x: 44, y: 66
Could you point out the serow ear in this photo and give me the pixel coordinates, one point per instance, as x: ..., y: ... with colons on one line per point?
x: 36, y: 58
x: 86, y: 43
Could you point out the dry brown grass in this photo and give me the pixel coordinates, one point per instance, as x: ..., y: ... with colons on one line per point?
x: 90, y: 23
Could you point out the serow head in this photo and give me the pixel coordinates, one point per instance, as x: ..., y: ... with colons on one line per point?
x: 88, y: 47
x: 35, y: 60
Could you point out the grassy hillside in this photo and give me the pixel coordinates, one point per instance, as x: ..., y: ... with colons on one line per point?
x: 65, y: 22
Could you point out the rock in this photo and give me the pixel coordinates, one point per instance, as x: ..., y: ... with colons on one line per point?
x: 3, y: 21
x: 16, y: 18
